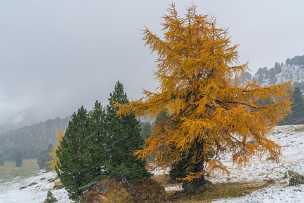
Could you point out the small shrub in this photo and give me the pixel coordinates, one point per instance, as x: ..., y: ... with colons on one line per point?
x: 50, y: 198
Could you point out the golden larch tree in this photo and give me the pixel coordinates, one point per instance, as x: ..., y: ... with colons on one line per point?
x: 53, y: 156
x: 208, y: 111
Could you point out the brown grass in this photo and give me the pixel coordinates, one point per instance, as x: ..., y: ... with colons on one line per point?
x: 9, y: 171
x: 299, y: 128
x: 162, y: 179
x: 219, y: 191
x: 212, y: 192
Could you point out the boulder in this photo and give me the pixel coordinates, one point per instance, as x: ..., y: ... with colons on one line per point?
x: 23, y: 187
x: 295, y: 178
x: 32, y: 184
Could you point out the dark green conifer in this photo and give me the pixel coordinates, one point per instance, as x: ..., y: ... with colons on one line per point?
x: 80, y: 153
x: 296, y: 115
x: 124, y: 139
x: 100, y: 143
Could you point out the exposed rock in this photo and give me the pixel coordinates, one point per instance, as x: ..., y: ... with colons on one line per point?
x: 52, y: 180
x: 32, y: 184
x: 23, y: 187
x: 295, y: 178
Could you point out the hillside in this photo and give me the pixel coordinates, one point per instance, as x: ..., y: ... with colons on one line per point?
x: 291, y: 138
x: 31, y: 140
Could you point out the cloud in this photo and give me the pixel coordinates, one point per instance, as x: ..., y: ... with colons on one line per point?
x: 57, y: 55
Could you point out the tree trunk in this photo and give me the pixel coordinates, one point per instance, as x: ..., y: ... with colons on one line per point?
x: 195, y: 186
x: 198, y: 184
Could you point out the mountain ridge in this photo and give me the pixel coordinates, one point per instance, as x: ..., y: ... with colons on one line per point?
x: 290, y: 70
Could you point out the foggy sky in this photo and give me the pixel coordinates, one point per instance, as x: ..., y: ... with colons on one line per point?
x: 59, y: 54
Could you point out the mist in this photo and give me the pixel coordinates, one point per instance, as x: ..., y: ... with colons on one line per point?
x: 57, y: 55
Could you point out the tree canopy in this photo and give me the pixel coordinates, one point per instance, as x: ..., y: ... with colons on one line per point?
x: 208, y: 110
x: 124, y: 139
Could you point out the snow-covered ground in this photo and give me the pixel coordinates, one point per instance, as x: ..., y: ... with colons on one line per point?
x: 273, y: 194
x: 11, y: 192
x: 291, y: 138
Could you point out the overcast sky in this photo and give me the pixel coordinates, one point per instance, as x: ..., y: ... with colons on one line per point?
x: 56, y: 55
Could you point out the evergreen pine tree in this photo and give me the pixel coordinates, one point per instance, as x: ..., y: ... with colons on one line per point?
x: 98, y: 147
x: 100, y: 143
x: 297, y: 111
x: 124, y: 139
x: 80, y: 154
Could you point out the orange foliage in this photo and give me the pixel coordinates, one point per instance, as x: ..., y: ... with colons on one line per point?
x: 199, y: 88
x: 53, y: 156
x: 215, y: 164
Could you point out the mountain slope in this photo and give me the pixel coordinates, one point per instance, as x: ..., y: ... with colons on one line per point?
x: 31, y: 140
x: 291, y: 70
x: 291, y: 139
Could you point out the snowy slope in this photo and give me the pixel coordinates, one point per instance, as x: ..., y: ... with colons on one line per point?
x: 291, y: 138
x: 11, y: 193
x: 281, y: 73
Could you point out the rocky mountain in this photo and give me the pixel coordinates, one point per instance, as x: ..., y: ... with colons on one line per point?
x: 291, y: 70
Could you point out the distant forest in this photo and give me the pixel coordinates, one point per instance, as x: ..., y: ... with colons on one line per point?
x: 29, y: 141
x: 32, y: 142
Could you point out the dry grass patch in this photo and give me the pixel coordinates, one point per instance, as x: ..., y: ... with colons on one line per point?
x: 9, y: 170
x: 162, y: 179
x: 299, y: 128
x: 219, y: 191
